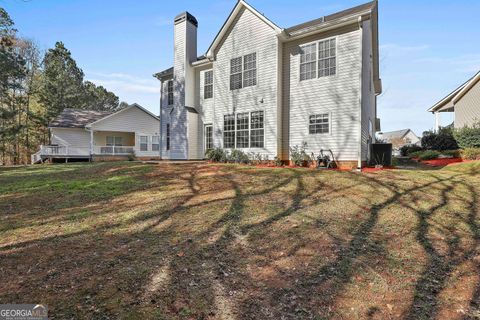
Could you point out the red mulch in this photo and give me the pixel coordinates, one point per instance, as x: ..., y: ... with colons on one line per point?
x: 442, y: 162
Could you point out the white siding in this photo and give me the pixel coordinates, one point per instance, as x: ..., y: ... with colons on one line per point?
x: 73, y: 137
x: 467, y: 109
x: 248, y: 34
x: 134, y: 120
x: 338, y: 95
x: 368, y: 94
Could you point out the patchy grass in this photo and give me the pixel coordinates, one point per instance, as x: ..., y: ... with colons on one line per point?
x: 200, y: 241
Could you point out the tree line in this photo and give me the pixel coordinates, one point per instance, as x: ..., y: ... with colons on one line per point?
x: 35, y: 87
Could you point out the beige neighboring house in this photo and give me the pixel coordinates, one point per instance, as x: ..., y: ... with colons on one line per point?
x: 399, y: 138
x: 102, y: 136
x: 463, y: 101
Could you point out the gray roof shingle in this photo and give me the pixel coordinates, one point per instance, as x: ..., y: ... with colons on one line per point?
x: 77, y: 118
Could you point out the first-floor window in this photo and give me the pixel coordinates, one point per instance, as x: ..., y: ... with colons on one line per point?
x: 143, y: 143
x: 319, y: 123
x: 208, y: 137
x: 244, y: 130
x: 229, y: 131
x: 167, y: 144
x: 256, y: 129
x: 155, y: 143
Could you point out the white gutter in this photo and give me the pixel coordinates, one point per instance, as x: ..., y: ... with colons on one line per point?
x: 160, y: 117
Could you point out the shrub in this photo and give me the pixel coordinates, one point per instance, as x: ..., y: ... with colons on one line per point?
x: 407, y: 149
x: 429, y: 155
x: 470, y: 153
x: 416, y: 154
x: 299, y: 155
x: 238, y: 156
x: 216, y: 155
x: 131, y: 157
x: 278, y: 162
x: 451, y: 153
x: 468, y: 137
x: 443, y: 140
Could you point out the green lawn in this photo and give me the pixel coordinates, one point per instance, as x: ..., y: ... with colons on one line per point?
x: 201, y: 241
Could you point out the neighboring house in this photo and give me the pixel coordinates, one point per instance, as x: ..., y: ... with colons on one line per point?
x: 399, y: 138
x: 96, y: 135
x: 261, y: 88
x: 463, y: 101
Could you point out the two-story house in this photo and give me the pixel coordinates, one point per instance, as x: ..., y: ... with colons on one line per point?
x: 261, y: 88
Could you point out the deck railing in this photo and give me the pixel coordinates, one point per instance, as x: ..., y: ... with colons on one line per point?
x: 113, y: 150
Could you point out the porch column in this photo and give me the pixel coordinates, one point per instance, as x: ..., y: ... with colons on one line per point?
x: 437, y: 121
x: 91, y: 142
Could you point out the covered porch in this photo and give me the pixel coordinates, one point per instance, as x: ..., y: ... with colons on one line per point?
x: 98, y: 143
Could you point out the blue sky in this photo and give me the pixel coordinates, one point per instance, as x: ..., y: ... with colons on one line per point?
x: 427, y: 47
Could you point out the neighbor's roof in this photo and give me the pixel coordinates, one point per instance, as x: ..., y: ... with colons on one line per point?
x: 77, y: 118
x: 395, y: 134
x: 447, y: 103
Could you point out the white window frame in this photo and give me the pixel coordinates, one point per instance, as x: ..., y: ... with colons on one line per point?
x: 143, y: 143
x: 329, y: 123
x: 157, y: 144
x: 253, y: 70
x: 316, y: 42
x: 314, y: 61
x: 249, y: 130
x: 207, y: 85
x: 168, y: 129
x: 205, y: 140
x: 170, y: 93
x: 244, y: 71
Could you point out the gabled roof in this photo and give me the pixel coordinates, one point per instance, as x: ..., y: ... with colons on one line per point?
x: 447, y: 103
x: 398, y: 134
x: 230, y: 20
x: 309, y: 25
x: 77, y: 118
x: 134, y: 105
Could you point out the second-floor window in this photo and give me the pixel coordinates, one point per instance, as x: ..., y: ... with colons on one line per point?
x: 208, y: 84
x: 318, y: 59
x: 243, y: 71
x: 170, y: 92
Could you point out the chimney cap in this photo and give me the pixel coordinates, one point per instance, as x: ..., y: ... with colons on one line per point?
x: 186, y: 16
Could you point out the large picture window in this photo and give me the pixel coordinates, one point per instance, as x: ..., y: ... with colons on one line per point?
x: 208, y: 84
x: 319, y: 123
x: 244, y: 130
x: 170, y: 92
x: 229, y: 131
x: 318, y: 59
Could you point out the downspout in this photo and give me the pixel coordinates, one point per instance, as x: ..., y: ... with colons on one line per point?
x: 359, y: 162
x: 160, y: 116
x: 91, y: 142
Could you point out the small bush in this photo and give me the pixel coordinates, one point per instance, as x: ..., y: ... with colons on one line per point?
x: 416, y: 154
x: 217, y: 155
x: 443, y: 140
x: 407, y: 149
x: 470, y: 153
x: 468, y: 137
x: 278, y: 162
x: 429, y: 155
x: 299, y: 155
x: 131, y: 157
x: 451, y: 153
x: 238, y: 156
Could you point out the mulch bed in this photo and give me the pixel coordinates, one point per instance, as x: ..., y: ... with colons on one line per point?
x: 442, y: 162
